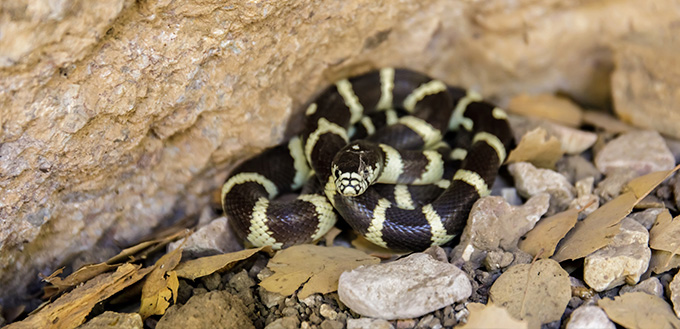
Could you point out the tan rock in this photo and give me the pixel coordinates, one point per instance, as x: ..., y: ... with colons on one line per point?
x: 644, y: 84
x: 118, y: 115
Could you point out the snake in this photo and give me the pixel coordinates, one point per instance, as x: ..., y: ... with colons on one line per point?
x: 399, y: 156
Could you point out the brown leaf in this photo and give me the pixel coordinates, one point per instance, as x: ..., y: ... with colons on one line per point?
x: 161, y: 285
x: 203, y: 266
x: 537, y: 293
x: 146, y: 247
x: 83, y: 274
x: 606, y: 122
x: 640, y: 310
x: 542, y: 240
x: 331, y: 235
x: 490, y: 316
x: 603, y: 224
x: 317, y: 269
x: 665, y: 232
x: 70, y: 310
x: 663, y: 261
x: 536, y: 148
x: 547, y: 106
x: 373, y: 249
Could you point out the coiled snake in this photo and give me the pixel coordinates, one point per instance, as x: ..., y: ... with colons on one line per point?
x: 400, y: 156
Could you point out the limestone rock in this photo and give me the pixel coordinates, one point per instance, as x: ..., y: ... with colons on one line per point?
x: 674, y: 288
x: 122, y: 321
x: 368, y: 323
x: 406, y: 288
x: 211, y: 239
x: 495, y: 225
x: 215, y: 309
x: 644, y: 84
x: 589, y: 317
x: 651, y: 286
x: 531, y: 181
x: 623, y: 260
x: 576, y: 168
x: 647, y: 217
x: 119, y: 117
x: 642, y: 151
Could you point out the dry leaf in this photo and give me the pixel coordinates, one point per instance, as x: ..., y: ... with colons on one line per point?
x: 663, y: 261
x: 315, y: 268
x: 536, y: 148
x: 665, y: 232
x: 331, y: 235
x: 491, y: 316
x: 640, y: 310
x: 373, y: 249
x: 603, y: 224
x: 146, y: 248
x: 547, y: 106
x: 203, y: 266
x: 538, y: 292
x: 83, y: 274
x: 606, y: 122
x: 542, y: 240
x: 70, y: 310
x: 161, y: 285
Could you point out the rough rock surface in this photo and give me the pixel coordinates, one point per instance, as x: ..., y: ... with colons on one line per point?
x: 589, y: 317
x: 406, y: 288
x: 645, y: 82
x: 121, y: 321
x: 122, y: 116
x: 623, y: 260
x: 674, y: 291
x: 365, y: 323
x: 642, y: 151
x: 495, y: 225
x: 214, y: 238
x: 215, y: 309
x: 532, y: 181
x: 651, y: 286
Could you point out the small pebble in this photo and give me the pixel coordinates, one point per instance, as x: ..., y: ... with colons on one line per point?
x: 328, y: 312
x: 331, y: 324
x: 212, y: 281
x: 406, y: 323
x: 289, y: 322
x: 651, y: 286
x: 589, y: 317
x: 647, y: 217
x: 674, y: 292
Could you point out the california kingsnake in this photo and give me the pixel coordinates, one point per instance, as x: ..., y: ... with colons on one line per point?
x: 404, y: 117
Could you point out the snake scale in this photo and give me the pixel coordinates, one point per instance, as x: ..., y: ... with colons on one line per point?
x: 399, y: 156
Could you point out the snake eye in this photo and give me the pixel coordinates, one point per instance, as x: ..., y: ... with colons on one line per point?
x: 337, y: 173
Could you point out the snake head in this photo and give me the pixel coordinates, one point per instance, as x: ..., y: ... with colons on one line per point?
x: 356, y: 167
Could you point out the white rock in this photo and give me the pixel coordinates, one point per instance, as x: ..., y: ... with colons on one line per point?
x: 214, y: 238
x: 368, y: 323
x: 589, y: 317
x: 493, y: 224
x: 623, y: 260
x: 585, y: 200
x: 651, y: 286
x: 643, y: 151
x: 674, y: 289
x: 531, y: 181
x: 406, y: 288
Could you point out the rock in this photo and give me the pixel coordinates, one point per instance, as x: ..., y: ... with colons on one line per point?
x: 126, y: 117
x: 651, y: 286
x: 611, y: 186
x: 407, y: 323
x: 576, y: 168
x: 241, y: 281
x: 328, y: 312
x: 642, y: 151
x: 623, y: 260
x: 331, y: 324
x: 572, y: 141
x: 216, y: 309
x: 531, y: 181
x: 121, y: 320
x: 406, y: 288
x: 368, y: 323
x: 269, y: 299
x: 211, y: 239
x: 212, y: 281
x: 288, y: 322
x: 647, y: 217
x: 674, y: 292
x: 585, y: 199
x: 496, y: 260
x: 589, y: 317
x: 493, y: 224
x: 645, y: 79
x: 429, y: 322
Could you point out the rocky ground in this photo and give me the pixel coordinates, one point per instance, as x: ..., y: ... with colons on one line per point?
x: 578, y: 233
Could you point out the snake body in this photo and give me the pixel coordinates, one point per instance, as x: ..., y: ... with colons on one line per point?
x: 399, y: 156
